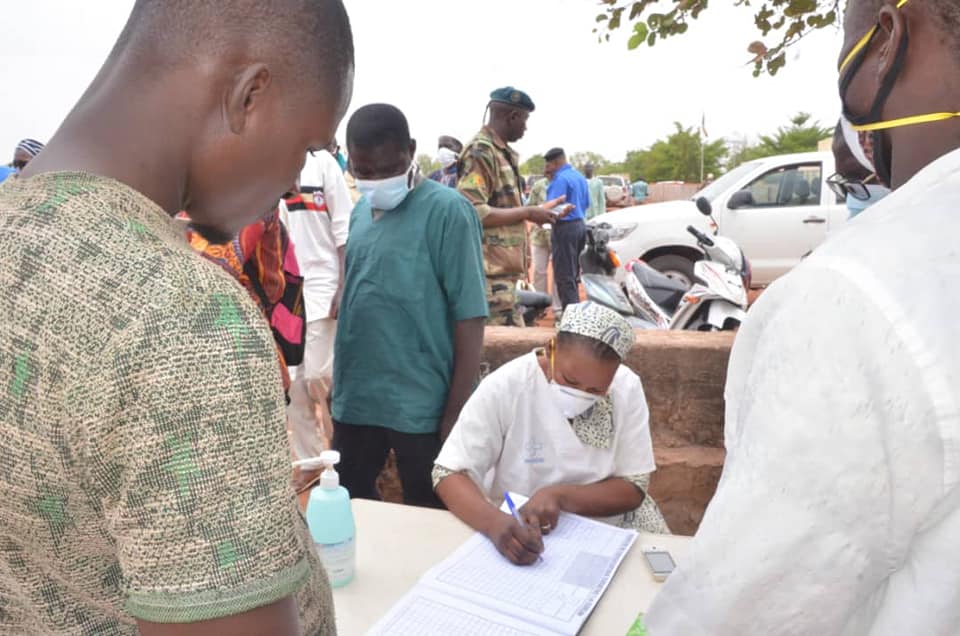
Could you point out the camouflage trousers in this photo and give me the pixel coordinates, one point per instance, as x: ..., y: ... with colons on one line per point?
x: 502, y: 299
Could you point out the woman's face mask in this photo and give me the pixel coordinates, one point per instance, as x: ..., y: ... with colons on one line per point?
x: 387, y: 194
x: 571, y: 402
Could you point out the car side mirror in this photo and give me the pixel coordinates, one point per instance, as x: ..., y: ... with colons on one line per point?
x: 704, y: 206
x: 741, y: 199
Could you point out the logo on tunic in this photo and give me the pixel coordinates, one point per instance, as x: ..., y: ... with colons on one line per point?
x: 533, y: 452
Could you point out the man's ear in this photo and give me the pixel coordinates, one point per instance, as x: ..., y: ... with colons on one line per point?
x: 891, y: 32
x: 244, y: 96
x: 413, y: 148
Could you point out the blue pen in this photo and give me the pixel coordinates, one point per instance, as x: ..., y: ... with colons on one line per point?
x: 516, y: 515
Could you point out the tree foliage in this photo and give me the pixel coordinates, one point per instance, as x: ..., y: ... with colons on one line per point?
x: 533, y: 165
x: 427, y: 164
x: 676, y: 158
x: 801, y: 135
x: 782, y: 22
x: 581, y: 159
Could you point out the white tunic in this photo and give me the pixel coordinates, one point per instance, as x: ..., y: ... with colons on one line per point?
x: 839, y: 509
x: 512, y: 425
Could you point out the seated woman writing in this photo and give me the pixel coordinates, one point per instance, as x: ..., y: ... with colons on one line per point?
x: 567, y: 425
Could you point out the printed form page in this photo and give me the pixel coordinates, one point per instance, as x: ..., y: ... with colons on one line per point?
x: 558, y: 593
x: 425, y: 612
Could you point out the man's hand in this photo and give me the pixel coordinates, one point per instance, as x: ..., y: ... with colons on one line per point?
x: 553, y: 203
x: 541, y: 216
x: 521, y: 544
x: 543, y: 509
x: 335, y: 304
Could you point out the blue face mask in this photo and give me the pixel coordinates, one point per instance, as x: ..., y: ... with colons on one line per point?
x: 856, y: 206
x: 387, y: 194
x: 342, y: 161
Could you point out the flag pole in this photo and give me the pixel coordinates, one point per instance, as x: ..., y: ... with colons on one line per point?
x: 703, y: 133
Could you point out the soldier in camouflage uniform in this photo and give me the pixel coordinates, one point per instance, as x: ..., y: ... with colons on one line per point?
x: 490, y: 179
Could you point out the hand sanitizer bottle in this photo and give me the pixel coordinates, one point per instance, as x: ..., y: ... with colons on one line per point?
x: 330, y: 519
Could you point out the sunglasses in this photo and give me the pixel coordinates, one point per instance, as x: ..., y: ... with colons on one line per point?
x: 843, y: 187
x: 19, y: 164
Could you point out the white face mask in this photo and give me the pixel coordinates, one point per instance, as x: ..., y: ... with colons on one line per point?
x: 852, y: 139
x: 446, y: 157
x: 387, y: 194
x: 856, y: 206
x: 572, y: 402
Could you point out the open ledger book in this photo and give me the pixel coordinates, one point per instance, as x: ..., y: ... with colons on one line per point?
x: 478, y: 591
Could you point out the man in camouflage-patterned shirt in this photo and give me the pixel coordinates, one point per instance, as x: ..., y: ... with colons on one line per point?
x: 490, y: 179
x: 145, y: 468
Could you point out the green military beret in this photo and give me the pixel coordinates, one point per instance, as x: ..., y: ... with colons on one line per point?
x: 510, y: 95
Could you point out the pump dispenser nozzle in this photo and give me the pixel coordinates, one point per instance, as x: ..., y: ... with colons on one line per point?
x: 329, y: 480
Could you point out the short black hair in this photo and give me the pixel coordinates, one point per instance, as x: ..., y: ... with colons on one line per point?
x: 314, y: 35
x: 597, y: 348
x: 376, y: 125
x: 554, y: 153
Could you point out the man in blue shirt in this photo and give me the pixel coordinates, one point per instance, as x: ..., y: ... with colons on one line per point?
x: 411, y: 321
x: 570, y: 231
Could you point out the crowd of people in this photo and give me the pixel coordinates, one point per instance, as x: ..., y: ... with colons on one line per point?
x: 159, y: 374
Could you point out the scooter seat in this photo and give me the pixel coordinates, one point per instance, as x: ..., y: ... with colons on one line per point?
x: 533, y: 300
x: 662, y: 289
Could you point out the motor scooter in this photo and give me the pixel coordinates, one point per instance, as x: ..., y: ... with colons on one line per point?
x: 717, y: 300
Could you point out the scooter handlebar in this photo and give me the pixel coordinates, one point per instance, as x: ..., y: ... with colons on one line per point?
x: 700, y: 236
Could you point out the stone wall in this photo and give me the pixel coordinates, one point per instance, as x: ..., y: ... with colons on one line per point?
x: 683, y: 375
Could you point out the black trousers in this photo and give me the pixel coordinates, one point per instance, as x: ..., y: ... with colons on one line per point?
x: 568, y: 238
x: 364, y: 450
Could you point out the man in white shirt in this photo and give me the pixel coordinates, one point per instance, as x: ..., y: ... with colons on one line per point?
x: 318, y: 226
x: 839, y: 507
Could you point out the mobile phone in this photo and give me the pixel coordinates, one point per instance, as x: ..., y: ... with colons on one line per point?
x: 660, y: 562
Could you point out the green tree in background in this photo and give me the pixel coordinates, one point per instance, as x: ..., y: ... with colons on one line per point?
x: 533, y: 165
x: 580, y: 159
x: 801, y: 135
x: 676, y: 158
x: 784, y: 22
x: 427, y: 164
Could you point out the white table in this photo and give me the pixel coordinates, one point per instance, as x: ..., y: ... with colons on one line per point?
x: 397, y: 544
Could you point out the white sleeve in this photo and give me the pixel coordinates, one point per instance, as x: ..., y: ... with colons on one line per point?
x: 833, y: 463
x: 634, y: 452
x: 337, y: 197
x: 476, y: 441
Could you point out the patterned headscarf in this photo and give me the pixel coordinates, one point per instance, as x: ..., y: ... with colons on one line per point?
x: 30, y: 146
x: 600, y: 323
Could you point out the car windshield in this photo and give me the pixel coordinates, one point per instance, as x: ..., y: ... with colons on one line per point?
x: 612, y: 181
x: 722, y: 184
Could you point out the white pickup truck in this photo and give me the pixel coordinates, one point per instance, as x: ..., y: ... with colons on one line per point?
x: 777, y: 209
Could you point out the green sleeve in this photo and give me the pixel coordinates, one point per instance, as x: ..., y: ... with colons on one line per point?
x: 477, y: 179
x: 461, y: 263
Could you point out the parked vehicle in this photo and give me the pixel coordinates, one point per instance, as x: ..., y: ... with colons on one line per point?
x: 777, y: 210
x: 617, y: 190
x: 651, y: 300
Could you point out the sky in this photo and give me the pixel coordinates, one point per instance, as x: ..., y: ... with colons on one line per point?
x: 590, y: 96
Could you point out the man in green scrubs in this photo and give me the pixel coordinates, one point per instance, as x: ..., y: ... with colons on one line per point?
x: 410, y: 330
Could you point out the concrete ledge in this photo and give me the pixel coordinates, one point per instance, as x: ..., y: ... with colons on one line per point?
x: 684, y: 483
